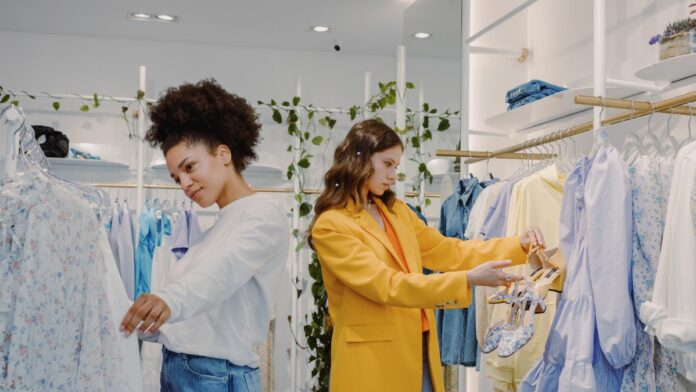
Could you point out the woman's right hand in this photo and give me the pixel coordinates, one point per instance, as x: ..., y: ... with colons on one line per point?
x: 490, y: 274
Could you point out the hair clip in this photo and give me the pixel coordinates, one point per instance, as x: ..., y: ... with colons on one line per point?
x: 336, y: 185
x: 358, y: 153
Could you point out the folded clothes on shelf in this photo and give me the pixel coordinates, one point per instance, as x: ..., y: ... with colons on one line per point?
x: 531, y: 98
x: 534, y: 86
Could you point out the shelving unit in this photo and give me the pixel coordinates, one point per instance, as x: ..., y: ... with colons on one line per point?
x: 83, y: 170
x: 548, y: 110
x: 670, y: 70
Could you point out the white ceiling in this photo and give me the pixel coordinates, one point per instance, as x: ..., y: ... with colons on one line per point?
x: 361, y: 26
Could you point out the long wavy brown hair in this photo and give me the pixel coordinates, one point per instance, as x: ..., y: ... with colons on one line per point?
x: 352, y: 167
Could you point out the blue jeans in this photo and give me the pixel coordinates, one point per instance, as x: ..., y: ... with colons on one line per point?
x: 194, y: 373
x: 426, y: 383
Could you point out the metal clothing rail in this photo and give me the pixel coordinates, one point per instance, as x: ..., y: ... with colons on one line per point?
x: 486, y: 155
x: 261, y: 190
x: 671, y: 105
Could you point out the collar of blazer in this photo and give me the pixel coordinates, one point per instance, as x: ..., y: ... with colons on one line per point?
x: 368, y: 224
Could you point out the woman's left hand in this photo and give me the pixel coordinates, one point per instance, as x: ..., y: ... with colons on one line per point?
x: 532, y: 237
x: 149, y: 309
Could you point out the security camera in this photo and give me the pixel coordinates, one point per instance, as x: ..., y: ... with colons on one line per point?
x: 337, y: 46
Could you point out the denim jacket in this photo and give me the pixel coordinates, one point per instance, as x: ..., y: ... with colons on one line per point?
x: 456, y: 329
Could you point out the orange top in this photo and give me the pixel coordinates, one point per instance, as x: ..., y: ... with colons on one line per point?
x: 397, y: 246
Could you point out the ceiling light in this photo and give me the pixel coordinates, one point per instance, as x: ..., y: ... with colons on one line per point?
x: 139, y: 15
x: 320, y: 29
x: 422, y: 35
x: 166, y: 18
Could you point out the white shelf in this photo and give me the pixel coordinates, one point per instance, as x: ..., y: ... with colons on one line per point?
x: 87, y: 170
x: 256, y: 175
x: 670, y: 70
x: 549, y: 109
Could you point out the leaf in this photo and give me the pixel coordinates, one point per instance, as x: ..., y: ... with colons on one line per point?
x: 140, y: 95
x: 15, y: 102
x: 433, y: 111
x: 299, y: 246
x: 277, y: 117
x: 410, y: 85
x: 5, y: 98
x: 303, y: 163
x: 391, y: 99
x: 331, y: 122
x: 298, y: 198
x: 444, y: 125
x: 353, y: 113
x: 306, y: 135
x: 422, y: 167
x: 292, y: 117
x: 305, y: 209
x: 293, y: 130
x: 427, y: 135
x: 291, y: 171
x: 84, y: 108
x: 426, y: 107
x: 95, y: 100
x: 316, y: 140
x: 295, y: 101
x: 285, y: 103
x: 426, y: 122
x: 381, y: 86
x: 289, y: 149
x: 427, y: 202
x: 124, y: 109
x: 310, y: 115
x: 415, y: 142
x: 56, y: 105
x: 273, y: 102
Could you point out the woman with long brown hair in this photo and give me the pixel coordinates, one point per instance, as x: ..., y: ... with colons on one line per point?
x: 372, y: 249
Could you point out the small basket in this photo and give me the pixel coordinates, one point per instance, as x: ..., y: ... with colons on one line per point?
x: 678, y: 45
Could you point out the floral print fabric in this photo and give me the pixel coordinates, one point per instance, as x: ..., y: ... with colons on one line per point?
x: 55, y: 322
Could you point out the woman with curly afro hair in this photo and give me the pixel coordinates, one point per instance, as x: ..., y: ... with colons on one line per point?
x: 218, y: 299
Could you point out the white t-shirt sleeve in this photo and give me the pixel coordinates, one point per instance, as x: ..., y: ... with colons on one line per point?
x: 239, y: 250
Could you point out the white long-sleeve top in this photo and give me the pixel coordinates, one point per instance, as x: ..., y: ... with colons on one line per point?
x: 221, y: 293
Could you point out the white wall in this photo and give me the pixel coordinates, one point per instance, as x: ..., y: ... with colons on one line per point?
x: 72, y: 64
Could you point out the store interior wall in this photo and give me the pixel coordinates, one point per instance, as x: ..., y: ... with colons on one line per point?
x: 558, y: 32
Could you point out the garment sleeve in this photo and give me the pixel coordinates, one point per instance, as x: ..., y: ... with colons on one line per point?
x: 440, y: 253
x: 357, y: 266
x: 608, y: 206
x: 216, y: 277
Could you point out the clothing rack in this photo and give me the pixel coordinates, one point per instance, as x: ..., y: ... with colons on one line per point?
x: 486, y: 155
x: 312, y: 191
x: 676, y: 105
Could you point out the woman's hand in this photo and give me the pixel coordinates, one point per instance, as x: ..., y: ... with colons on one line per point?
x: 489, y: 274
x: 532, y: 237
x: 148, y: 308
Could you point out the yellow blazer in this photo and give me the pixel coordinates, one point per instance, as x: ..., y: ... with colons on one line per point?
x: 375, y: 305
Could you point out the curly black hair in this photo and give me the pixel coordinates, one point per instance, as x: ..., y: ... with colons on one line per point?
x: 205, y: 113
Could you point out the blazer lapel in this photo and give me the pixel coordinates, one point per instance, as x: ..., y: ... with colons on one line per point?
x: 369, y: 225
x: 401, y: 233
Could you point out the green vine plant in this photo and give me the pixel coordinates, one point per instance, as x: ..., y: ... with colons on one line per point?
x: 419, y: 124
x: 94, y: 102
x: 304, y: 122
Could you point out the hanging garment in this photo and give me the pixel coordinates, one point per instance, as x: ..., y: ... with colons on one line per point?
x: 186, y: 232
x: 456, y: 329
x: 221, y: 293
x: 671, y: 313
x: 147, y: 240
x: 126, y: 253
x: 114, y: 227
x: 56, y: 324
x: 151, y: 353
x: 654, y: 368
x: 120, y: 303
x: 473, y: 231
x: 593, y: 334
x: 535, y: 201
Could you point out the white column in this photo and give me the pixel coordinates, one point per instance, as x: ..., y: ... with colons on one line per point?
x: 464, y: 100
x: 400, y: 104
x: 139, y: 157
x: 421, y: 101
x: 294, y: 269
x: 600, y: 67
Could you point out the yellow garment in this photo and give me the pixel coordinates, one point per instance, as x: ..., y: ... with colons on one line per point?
x: 375, y: 306
x: 535, y: 201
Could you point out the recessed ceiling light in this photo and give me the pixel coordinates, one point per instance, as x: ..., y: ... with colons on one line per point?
x: 166, y: 18
x: 139, y: 15
x: 422, y: 35
x: 320, y: 29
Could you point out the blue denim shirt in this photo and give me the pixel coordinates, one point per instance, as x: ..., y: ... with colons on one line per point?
x: 456, y: 328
